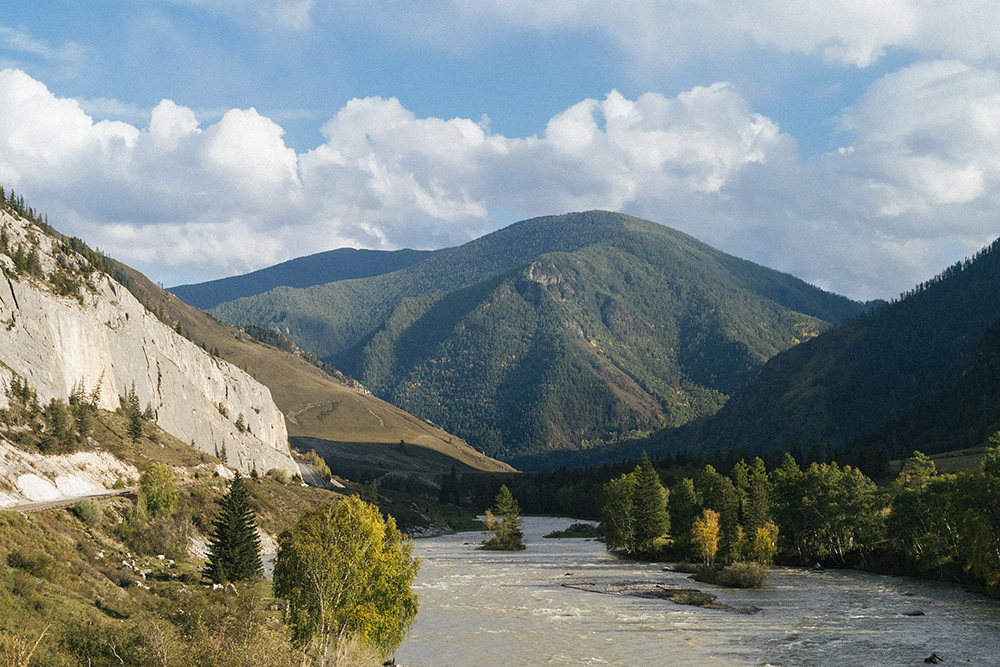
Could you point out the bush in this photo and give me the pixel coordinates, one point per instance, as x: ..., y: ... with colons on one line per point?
x: 157, y: 486
x: 89, y: 511
x: 737, y: 575
x: 33, y: 562
x: 577, y: 530
x: 278, y: 475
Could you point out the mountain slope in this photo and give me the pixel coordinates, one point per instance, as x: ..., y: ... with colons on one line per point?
x: 69, y: 329
x: 850, y: 380
x: 555, y: 332
x: 316, y: 403
x: 324, y: 267
x: 959, y: 416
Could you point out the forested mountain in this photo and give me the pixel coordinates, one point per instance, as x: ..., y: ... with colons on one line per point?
x: 873, y: 370
x: 556, y: 332
x: 961, y: 415
x: 323, y: 267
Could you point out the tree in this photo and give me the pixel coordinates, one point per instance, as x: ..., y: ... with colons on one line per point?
x: 649, y: 506
x: 756, y: 511
x: 347, y: 571
x: 503, y: 522
x: 234, y: 553
x: 157, y: 489
x: 83, y: 420
x: 981, y: 525
x: 58, y: 438
x: 684, y: 507
x: 720, y: 494
x: 616, y: 514
x: 827, y: 511
x: 134, y: 413
x: 705, y: 535
x: 764, y: 543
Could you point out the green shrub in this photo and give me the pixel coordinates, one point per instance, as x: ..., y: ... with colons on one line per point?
x: 89, y: 511
x: 157, y: 486
x: 737, y: 575
x: 279, y: 475
x: 31, y: 561
x: 577, y: 530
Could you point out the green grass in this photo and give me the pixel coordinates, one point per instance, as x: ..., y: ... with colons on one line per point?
x: 107, y: 595
x: 962, y: 460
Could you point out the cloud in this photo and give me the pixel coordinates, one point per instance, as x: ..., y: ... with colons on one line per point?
x: 916, y: 190
x: 944, y: 153
x: 69, y: 54
x: 184, y: 201
x: 292, y: 15
x: 665, y: 34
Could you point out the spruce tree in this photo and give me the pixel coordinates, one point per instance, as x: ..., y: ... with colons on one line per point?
x: 503, y: 522
x: 234, y: 554
x: 134, y: 414
x: 649, y: 506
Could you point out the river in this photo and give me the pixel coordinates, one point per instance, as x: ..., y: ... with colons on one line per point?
x: 510, y: 608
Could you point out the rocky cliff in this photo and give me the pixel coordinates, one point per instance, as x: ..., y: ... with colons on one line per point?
x: 66, y: 327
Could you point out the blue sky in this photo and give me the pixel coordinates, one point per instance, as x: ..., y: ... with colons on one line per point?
x: 854, y: 146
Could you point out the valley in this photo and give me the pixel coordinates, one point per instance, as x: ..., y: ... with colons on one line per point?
x: 569, y: 354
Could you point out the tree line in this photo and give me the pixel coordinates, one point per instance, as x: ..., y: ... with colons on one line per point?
x: 923, y: 523
x: 793, y: 511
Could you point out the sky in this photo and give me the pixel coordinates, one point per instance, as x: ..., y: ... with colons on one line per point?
x: 855, y: 145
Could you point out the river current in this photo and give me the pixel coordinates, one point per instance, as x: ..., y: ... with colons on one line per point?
x: 511, y: 608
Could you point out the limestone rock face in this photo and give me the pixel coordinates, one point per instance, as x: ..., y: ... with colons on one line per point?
x: 107, y: 341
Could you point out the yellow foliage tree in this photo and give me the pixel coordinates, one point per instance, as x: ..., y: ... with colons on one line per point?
x: 764, y: 544
x: 705, y: 535
x: 347, y: 573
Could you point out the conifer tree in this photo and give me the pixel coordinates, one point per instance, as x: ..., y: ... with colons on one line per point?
x: 134, y: 413
x: 504, y: 523
x: 234, y: 554
x: 649, y: 506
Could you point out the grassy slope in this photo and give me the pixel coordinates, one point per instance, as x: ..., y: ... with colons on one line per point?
x: 315, y: 404
x: 76, y: 582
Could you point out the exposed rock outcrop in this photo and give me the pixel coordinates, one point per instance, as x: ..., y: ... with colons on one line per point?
x: 104, y: 340
x: 32, y: 478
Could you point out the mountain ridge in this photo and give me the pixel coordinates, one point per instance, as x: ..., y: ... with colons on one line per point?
x: 316, y: 269
x: 587, y: 287
x: 855, y: 378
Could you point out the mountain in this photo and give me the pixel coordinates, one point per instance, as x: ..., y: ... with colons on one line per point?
x: 558, y: 332
x: 959, y: 416
x: 874, y: 370
x: 324, y: 267
x: 68, y: 328
x: 321, y: 406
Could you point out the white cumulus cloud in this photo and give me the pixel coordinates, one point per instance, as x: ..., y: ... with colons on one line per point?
x: 185, y: 201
